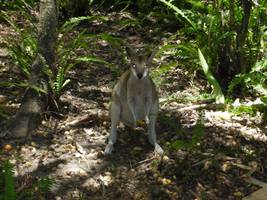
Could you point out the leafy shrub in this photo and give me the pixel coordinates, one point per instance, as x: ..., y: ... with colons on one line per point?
x: 38, y: 190
x: 23, y: 51
x: 214, y: 27
x: 197, y: 135
x: 255, y: 79
x: 7, y: 185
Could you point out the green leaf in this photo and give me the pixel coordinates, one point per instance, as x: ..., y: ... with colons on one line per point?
x: 178, y: 11
x: 264, y: 99
x: 91, y: 59
x: 10, y: 21
x: 217, y: 92
x: 179, y: 144
x: 196, y: 137
x: 22, y: 84
x: 197, y: 133
x: 45, y: 184
x: 9, y: 185
x: 71, y: 23
x: 260, y: 89
x: 111, y: 39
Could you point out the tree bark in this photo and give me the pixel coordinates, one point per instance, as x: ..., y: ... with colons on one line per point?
x: 242, y: 35
x: 35, y: 99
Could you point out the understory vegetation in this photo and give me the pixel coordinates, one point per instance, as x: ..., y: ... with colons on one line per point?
x: 211, y: 74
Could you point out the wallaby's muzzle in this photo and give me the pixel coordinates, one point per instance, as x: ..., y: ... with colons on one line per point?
x: 139, y: 75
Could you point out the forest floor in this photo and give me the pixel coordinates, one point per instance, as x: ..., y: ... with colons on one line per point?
x: 224, y: 158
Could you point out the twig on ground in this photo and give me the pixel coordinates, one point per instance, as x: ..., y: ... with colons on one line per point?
x: 146, y: 160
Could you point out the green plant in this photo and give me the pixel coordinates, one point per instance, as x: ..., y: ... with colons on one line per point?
x: 7, y: 182
x: 67, y: 57
x: 37, y: 190
x: 217, y: 92
x: 22, y: 50
x: 197, y: 135
x: 255, y: 79
x: 230, y: 44
x: 178, y: 12
x: 44, y: 185
x: 16, y: 5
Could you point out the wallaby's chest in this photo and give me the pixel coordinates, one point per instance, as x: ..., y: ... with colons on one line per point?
x: 139, y: 92
x: 139, y: 97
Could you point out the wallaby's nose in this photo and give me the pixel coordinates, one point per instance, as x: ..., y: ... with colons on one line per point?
x: 139, y: 75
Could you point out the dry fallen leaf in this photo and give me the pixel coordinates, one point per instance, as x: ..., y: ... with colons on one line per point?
x: 7, y: 147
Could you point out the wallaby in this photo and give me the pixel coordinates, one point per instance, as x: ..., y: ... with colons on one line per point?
x: 135, y: 98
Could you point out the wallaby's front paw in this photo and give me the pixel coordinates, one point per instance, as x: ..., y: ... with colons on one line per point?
x: 147, y: 120
x: 108, y: 149
x: 134, y: 123
x: 158, y: 149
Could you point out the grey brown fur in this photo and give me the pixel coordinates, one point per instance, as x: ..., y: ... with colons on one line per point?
x: 135, y: 98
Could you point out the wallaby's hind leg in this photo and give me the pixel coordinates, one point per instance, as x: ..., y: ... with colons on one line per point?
x: 131, y: 103
x: 147, y: 109
x: 115, y: 118
x: 152, y: 137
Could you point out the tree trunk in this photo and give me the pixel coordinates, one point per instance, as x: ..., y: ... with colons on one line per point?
x: 35, y: 99
x: 241, y: 37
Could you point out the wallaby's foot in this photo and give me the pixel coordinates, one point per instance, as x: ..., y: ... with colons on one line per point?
x: 158, y: 149
x: 109, y: 149
x: 147, y: 120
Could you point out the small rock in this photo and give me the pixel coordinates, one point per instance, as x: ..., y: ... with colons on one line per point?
x: 106, y: 179
x: 165, y: 158
x: 83, y: 173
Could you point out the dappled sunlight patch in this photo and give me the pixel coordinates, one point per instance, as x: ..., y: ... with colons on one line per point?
x: 227, y: 121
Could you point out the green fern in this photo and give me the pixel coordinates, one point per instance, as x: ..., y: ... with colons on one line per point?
x: 66, y: 51
x: 7, y: 184
x: 23, y: 84
x: 156, y: 74
x: 75, y: 21
x: 60, y: 81
x: 45, y: 184
x: 255, y: 79
x: 23, y: 51
x: 178, y: 12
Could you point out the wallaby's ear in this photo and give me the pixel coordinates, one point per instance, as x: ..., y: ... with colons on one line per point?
x: 131, y: 53
x: 151, y: 56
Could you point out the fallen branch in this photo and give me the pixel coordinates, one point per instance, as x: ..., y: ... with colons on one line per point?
x: 196, y: 107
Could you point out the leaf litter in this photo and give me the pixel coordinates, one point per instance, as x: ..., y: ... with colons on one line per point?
x: 230, y: 151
